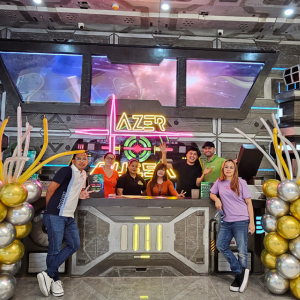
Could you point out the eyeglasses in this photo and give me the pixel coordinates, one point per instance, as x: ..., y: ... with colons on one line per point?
x: 110, y: 158
x: 79, y: 159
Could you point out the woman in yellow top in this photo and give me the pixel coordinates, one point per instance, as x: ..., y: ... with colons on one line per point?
x: 159, y: 185
x: 110, y: 176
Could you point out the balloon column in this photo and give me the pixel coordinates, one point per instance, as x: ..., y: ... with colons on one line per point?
x: 281, y: 221
x: 16, y: 194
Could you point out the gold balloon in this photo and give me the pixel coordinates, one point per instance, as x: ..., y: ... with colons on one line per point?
x: 3, y: 211
x: 12, y: 253
x: 270, y: 188
x: 23, y: 230
x: 288, y: 227
x: 295, y: 287
x: 268, y: 259
x: 275, y: 243
x: 295, y: 209
x: 13, y: 194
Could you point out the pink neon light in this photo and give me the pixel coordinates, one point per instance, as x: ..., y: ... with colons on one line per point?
x: 113, y: 133
x: 136, y: 149
x: 93, y: 131
x: 105, y: 147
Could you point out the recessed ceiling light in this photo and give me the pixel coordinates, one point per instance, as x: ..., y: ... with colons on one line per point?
x: 115, y: 6
x: 288, y: 12
x: 37, y: 1
x: 165, y: 6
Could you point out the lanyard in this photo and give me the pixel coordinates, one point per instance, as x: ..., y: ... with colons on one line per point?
x: 159, y: 187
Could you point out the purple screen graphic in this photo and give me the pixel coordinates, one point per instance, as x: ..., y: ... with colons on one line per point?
x: 218, y: 83
x: 134, y: 81
x: 45, y: 77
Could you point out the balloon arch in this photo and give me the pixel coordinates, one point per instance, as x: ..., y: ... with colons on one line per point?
x: 281, y: 221
x: 16, y: 194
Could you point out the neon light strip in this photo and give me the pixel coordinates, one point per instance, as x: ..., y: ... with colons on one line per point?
x: 93, y: 131
x: 132, y: 148
x: 256, y: 107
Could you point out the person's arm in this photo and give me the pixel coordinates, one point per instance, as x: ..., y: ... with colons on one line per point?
x: 149, y: 189
x: 251, y: 227
x: 163, y: 149
x: 218, y: 203
x: 120, y: 186
x: 144, y: 188
x: 119, y: 191
x: 200, y: 179
x: 53, y: 186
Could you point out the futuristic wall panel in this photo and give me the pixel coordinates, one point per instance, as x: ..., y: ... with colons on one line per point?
x: 134, y: 81
x: 219, y: 83
x: 45, y: 77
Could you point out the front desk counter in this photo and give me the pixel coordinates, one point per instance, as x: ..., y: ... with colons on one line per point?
x: 146, y: 237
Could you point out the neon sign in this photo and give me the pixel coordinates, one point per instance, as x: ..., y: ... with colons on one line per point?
x: 114, y: 132
x: 145, y: 170
x: 142, y: 122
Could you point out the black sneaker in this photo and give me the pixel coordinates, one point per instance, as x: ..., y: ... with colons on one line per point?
x: 235, y: 286
x: 243, y: 278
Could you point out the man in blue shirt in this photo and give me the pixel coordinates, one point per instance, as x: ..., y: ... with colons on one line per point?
x: 62, y: 198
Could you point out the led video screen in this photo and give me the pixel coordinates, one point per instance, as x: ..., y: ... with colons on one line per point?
x: 45, y: 77
x: 219, y: 84
x: 134, y: 81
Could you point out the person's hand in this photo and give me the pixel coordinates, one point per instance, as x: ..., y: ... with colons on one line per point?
x: 251, y: 228
x: 218, y: 204
x: 182, y: 194
x: 235, y: 160
x: 163, y: 147
x: 85, y: 194
x: 207, y: 170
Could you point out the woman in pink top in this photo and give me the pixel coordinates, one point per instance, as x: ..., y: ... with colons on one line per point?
x: 238, y: 221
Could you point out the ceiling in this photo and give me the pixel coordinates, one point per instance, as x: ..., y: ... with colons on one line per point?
x: 241, y: 19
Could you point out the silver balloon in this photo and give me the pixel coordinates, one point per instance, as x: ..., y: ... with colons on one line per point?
x: 288, y: 190
x: 294, y: 246
x: 288, y: 266
x: 275, y: 283
x: 7, y: 234
x: 277, y: 207
x: 20, y: 215
x: 7, y: 286
x: 10, y: 269
x: 34, y: 189
x: 268, y: 223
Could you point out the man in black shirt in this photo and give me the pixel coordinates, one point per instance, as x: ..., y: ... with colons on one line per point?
x: 188, y: 172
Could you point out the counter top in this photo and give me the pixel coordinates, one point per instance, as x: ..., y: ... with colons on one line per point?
x: 148, y: 201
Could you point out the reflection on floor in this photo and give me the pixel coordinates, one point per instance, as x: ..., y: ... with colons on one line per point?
x: 163, y: 288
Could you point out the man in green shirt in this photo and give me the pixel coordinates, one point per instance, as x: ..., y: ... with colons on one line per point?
x: 212, y: 163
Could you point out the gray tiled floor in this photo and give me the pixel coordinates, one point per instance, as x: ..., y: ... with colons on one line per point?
x: 163, y: 288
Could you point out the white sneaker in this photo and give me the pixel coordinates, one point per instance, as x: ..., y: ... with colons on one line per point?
x: 44, y: 283
x: 57, y: 289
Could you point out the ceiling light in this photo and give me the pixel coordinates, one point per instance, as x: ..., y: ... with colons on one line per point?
x: 37, y: 1
x: 115, y: 6
x: 288, y: 12
x: 165, y: 6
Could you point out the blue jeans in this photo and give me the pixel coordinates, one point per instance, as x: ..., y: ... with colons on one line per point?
x: 238, y: 230
x: 59, y: 229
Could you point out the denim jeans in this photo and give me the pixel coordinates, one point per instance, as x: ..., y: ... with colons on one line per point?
x: 238, y: 230
x: 59, y: 229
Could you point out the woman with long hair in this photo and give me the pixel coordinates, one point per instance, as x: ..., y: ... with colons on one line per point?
x: 110, y: 176
x: 159, y: 185
x: 131, y: 183
x: 238, y: 221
